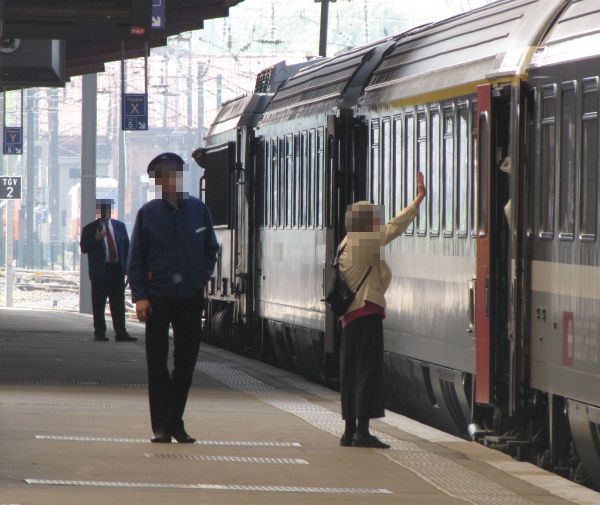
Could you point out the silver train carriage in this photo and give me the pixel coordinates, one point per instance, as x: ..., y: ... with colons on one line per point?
x: 493, y: 324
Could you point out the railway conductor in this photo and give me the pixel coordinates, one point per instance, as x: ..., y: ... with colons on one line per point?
x: 173, y: 254
x: 106, y: 243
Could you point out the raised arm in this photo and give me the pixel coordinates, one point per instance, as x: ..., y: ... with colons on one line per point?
x: 398, y: 224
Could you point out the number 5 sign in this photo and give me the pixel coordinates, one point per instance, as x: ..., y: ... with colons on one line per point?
x: 10, y: 188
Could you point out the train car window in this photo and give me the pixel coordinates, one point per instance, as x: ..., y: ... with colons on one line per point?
x: 448, y: 171
x: 290, y: 190
x: 546, y: 163
x: 483, y: 183
x: 375, y: 175
x: 268, y: 190
x: 305, y: 179
x: 421, y: 166
x: 320, y: 177
x: 386, y: 161
x: 462, y: 175
x: 473, y: 170
x: 409, y: 164
x: 275, y: 182
x: 312, y: 157
x: 282, y: 185
x: 433, y: 178
x: 298, y: 178
x: 397, y: 166
x: 589, y: 161
x: 566, y: 191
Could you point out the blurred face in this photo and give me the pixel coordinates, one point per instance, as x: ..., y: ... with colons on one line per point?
x: 170, y: 183
x: 103, y: 211
x: 364, y: 217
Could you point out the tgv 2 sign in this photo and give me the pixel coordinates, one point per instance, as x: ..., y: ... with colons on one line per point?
x: 10, y: 187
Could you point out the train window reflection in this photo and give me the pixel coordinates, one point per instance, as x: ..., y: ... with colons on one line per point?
x: 483, y: 184
x: 589, y: 160
x: 275, y: 181
x: 566, y: 212
x: 375, y: 178
x: 409, y: 166
x: 282, y: 185
x: 388, y: 179
x: 433, y: 182
x: 448, y: 172
x: 320, y: 177
x: 546, y: 164
x: 397, y: 163
x: 462, y: 175
x: 305, y: 179
x: 267, y: 189
x: 290, y: 189
x: 421, y: 165
x: 312, y: 157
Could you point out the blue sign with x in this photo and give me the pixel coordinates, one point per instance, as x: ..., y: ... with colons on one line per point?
x: 135, y: 111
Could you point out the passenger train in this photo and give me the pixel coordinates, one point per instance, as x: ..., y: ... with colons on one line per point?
x: 493, y: 317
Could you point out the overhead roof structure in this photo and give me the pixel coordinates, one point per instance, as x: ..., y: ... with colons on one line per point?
x: 181, y: 16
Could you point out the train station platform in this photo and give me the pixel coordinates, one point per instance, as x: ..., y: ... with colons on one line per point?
x: 74, y: 429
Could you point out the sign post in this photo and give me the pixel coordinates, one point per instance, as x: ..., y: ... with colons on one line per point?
x: 10, y: 189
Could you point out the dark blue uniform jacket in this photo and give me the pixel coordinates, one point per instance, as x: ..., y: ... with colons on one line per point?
x: 173, y: 250
x: 96, y: 250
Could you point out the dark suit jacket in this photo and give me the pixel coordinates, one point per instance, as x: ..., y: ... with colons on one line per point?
x: 96, y: 250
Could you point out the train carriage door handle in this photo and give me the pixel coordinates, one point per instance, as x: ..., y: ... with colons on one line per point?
x: 471, y: 306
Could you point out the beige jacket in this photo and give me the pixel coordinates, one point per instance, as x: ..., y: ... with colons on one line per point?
x: 364, y: 249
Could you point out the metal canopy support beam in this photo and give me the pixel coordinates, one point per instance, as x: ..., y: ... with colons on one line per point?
x: 88, y: 178
x: 324, y: 26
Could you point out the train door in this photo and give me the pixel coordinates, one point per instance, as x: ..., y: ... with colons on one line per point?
x: 492, y: 237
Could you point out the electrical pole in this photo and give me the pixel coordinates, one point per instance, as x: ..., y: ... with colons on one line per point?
x: 31, y: 177
x: 324, y: 25
x: 53, y: 168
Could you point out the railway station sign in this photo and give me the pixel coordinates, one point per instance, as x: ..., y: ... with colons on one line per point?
x: 10, y: 187
x: 159, y: 14
x: 135, y: 111
x: 13, y: 140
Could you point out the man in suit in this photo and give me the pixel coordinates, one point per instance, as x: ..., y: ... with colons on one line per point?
x: 106, y: 243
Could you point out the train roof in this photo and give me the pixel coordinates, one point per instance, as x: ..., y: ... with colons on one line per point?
x: 494, y: 41
x: 328, y: 83
x: 575, y: 35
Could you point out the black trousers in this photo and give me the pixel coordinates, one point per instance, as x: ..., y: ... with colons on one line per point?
x: 111, y: 286
x: 168, y: 391
x: 361, y: 368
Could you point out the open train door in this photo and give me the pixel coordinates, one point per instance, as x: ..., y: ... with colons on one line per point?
x: 483, y: 260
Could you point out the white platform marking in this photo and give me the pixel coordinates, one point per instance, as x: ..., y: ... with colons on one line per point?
x: 147, y: 441
x: 229, y: 459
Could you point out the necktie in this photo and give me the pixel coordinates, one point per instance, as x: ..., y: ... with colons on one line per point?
x: 112, y: 250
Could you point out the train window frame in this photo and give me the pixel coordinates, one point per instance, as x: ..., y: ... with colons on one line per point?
x: 590, y: 87
x: 473, y: 169
x: 408, y: 168
x: 448, y: 140
x: 320, y: 158
x: 267, y: 190
x: 298, y: 177
x: 290, y: 183
x: 305, y: 179
x: 312, y: 140
x: 565, y: 234
x: 545, y: 231
x: 435, y: 155
x: 462, y: 204
x: 422, y: 139
x: 375, y: 172
x: 483, y: 175
x: 275, y: 187
x: 282, y: 184
x: 397, y: 161
x: 387, y: 171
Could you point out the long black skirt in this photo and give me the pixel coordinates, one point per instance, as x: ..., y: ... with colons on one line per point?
x: 362, y: 368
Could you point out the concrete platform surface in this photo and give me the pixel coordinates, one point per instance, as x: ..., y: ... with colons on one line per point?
x: 74, y: 430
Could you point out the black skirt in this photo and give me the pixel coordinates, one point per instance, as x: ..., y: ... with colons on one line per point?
x: 361, y: 368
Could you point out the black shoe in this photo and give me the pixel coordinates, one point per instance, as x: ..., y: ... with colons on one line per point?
x: 100, y: 338
x: 182, y: 437
x: 125, y: 338
x: 346, y: 440
x: 368, y: 441
x: 160, y: 437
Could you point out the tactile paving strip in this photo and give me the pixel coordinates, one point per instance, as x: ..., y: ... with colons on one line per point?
x: 210, y: 487
x: 446, y: 475
x: 147, y: 441
x: 229, y: 459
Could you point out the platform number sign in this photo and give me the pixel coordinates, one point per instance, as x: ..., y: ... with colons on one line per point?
x: 13, y: 140
x: 10, y: 187
x: 159, y: 11
x: 135, y: 111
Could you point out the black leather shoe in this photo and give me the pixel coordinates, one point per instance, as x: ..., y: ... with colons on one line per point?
x: 346, y: 440
x: 100, y: 338
x: 125, y: 338
x: 368, y: 441
x: 160, y: 437
x: 182, y: 437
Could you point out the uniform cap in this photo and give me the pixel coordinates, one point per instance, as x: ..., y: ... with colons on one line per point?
x: 168, y: 161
